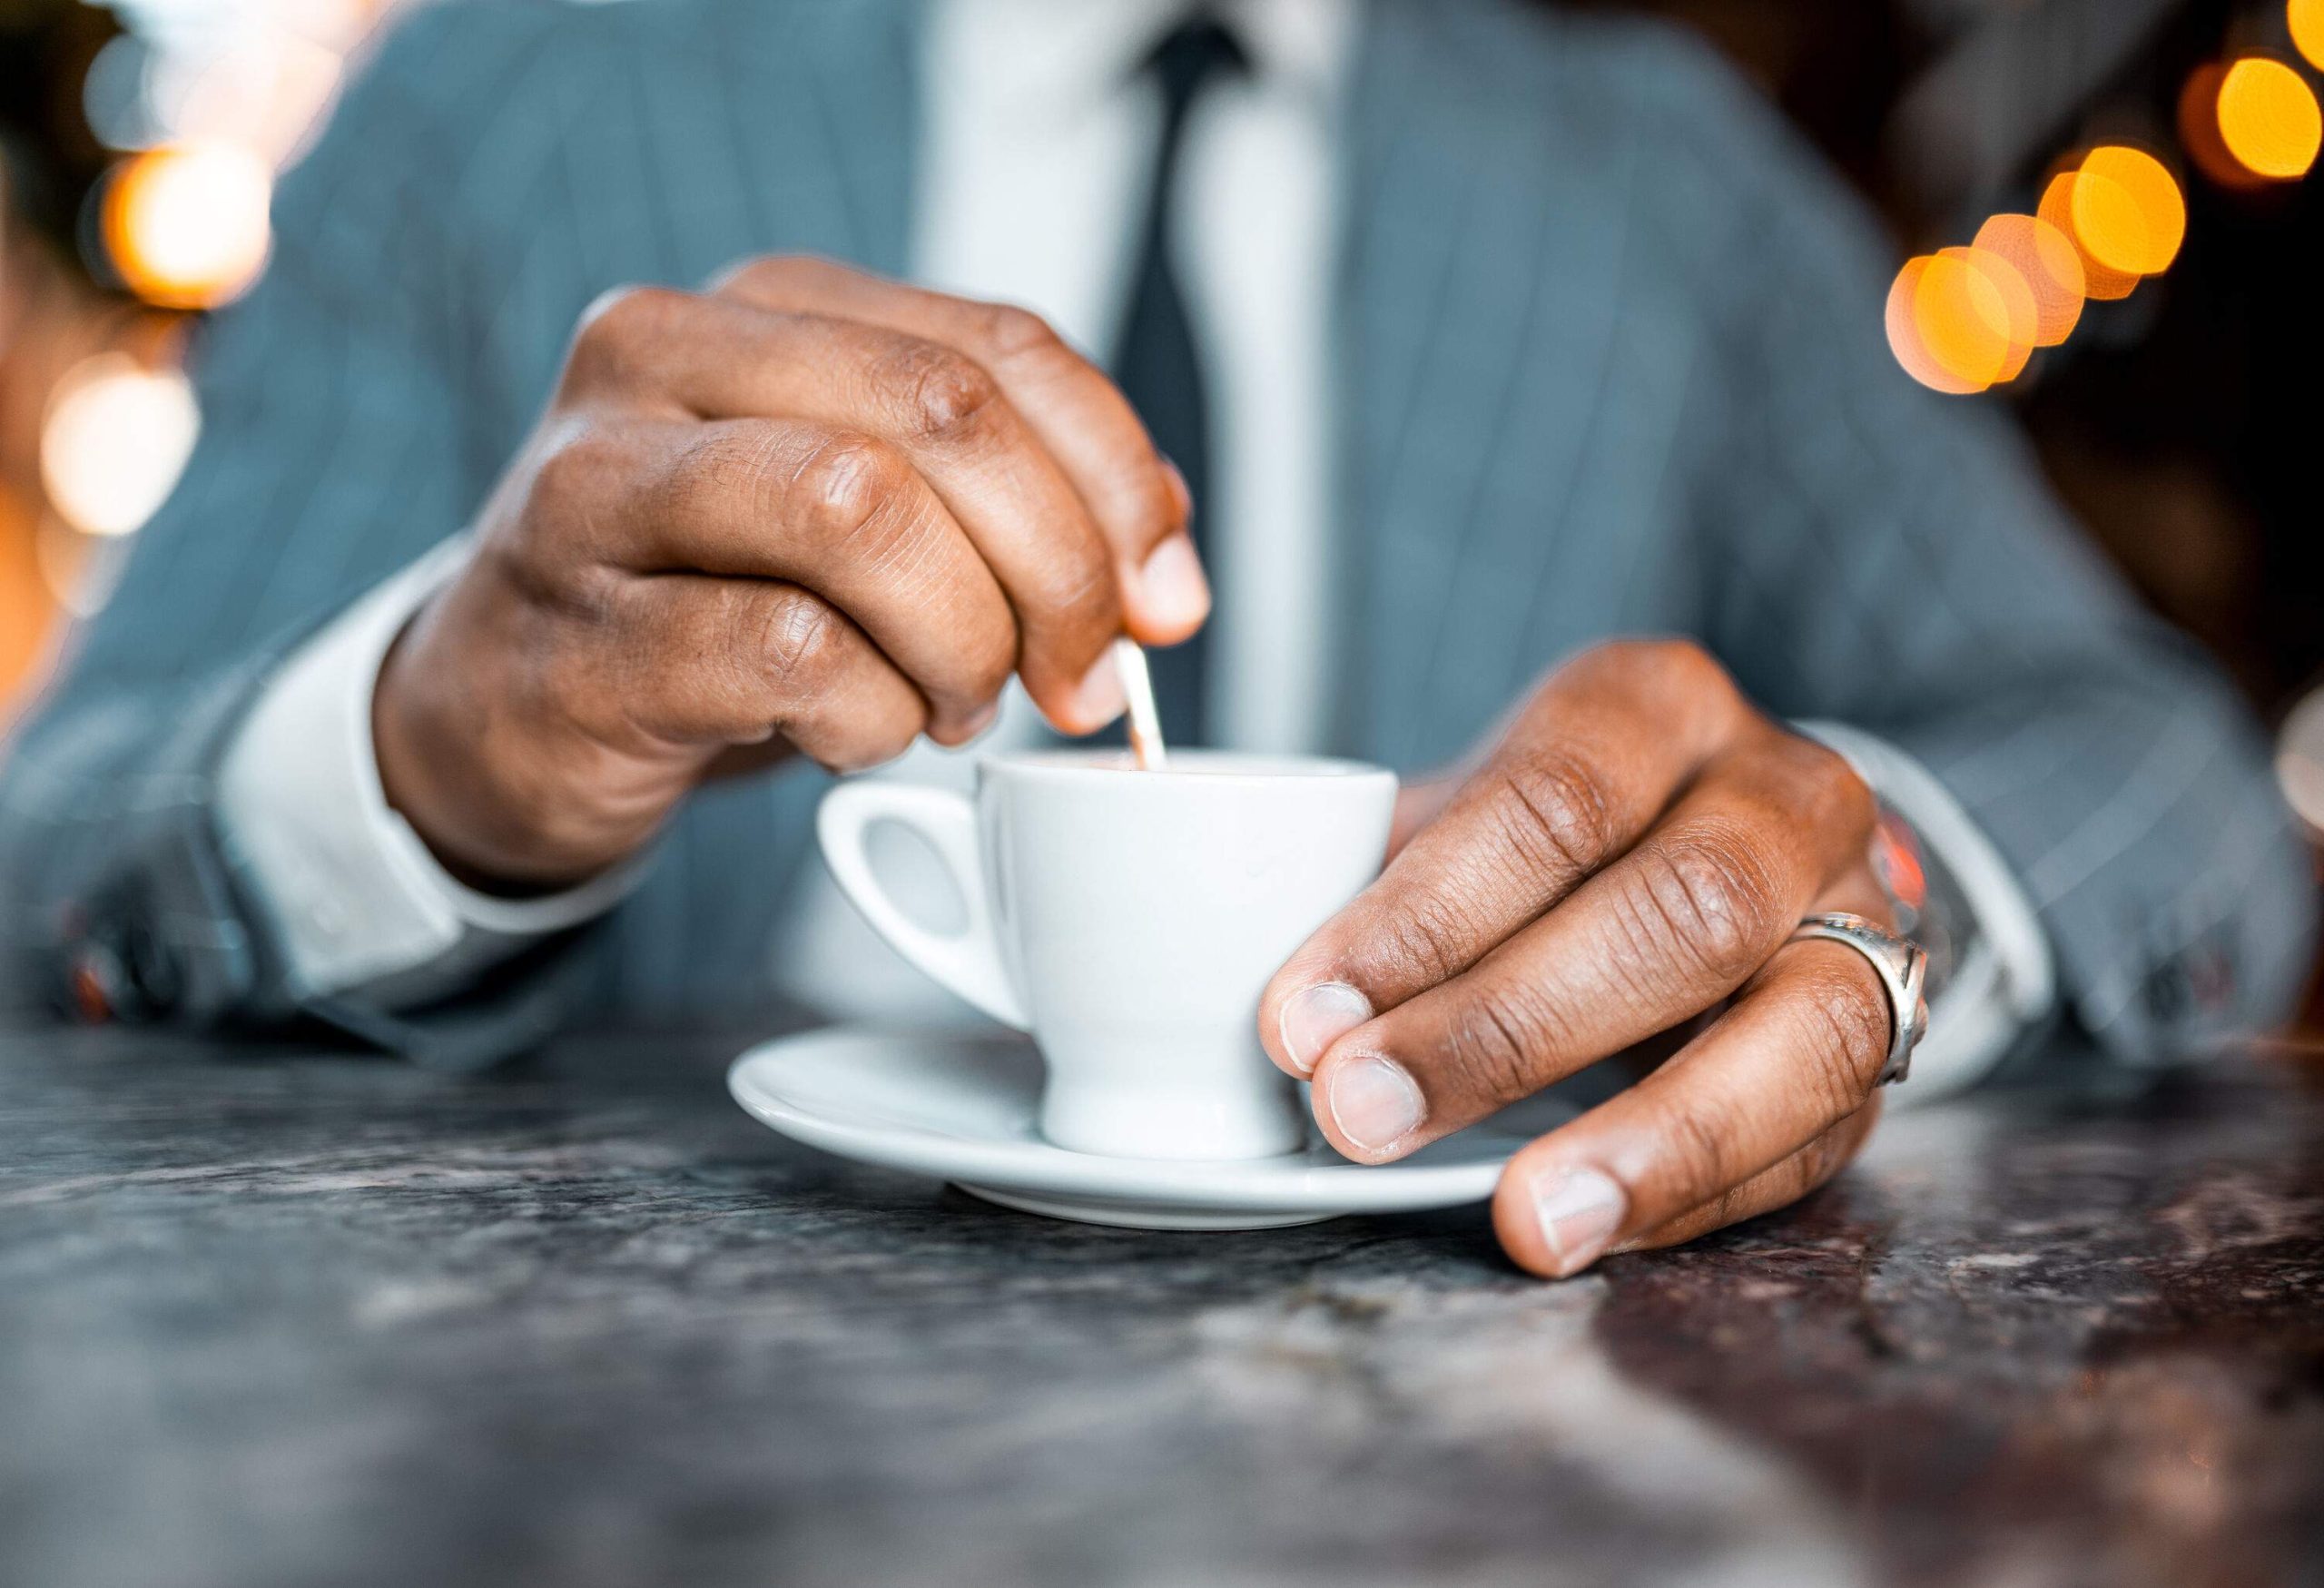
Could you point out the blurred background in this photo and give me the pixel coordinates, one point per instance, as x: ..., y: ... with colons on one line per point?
x: 2103, y: 211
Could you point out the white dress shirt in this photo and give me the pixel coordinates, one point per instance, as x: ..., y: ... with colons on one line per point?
x: 1038, y: 134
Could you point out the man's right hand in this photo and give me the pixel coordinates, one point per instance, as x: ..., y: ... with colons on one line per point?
x: 809, y: 510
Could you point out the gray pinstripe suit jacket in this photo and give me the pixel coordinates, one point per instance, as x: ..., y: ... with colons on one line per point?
x: 1610, y: 356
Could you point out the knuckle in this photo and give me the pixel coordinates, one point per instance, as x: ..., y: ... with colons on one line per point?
x: 572, y: 475
x: 528, y: 560
x: 798, y: 644
x: 1501, y: 1041
x: 1830, y: 786
x: 1557, y: 814
x: 1421, y: 942
x: 1665, y: 672
x: 619, y: 322
x: 1708, y: 898
x: 766, y: 273
x: 1686, y: 664
x: 842, y: 489
x: 552, y: 543
x: 1623, y: 656
x: 946, y: 396
x: 1009, y: 332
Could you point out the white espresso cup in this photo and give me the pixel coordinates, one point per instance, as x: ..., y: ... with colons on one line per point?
x: 1130, y: 920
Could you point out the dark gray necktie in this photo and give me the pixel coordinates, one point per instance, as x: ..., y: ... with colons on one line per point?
x: 1155, y: 361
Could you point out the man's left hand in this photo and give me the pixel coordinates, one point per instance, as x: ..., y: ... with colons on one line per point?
x: 1632, y: 854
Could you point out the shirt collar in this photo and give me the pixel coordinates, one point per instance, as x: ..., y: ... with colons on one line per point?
x: 1069, y: 54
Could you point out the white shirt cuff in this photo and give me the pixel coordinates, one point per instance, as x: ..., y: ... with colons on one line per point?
x: 2006, y: 980
x: 359, y: 902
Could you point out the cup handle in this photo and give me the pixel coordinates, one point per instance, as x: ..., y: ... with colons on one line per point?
x: 968, y: 962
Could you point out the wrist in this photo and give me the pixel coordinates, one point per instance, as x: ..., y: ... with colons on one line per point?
x: 468, y: 784
x: 417, y: 756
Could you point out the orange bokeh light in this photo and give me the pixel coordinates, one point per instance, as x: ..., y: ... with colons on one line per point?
x: 1963, y: 318
x: 2269, y: 118
x: 1904, y: 335
x: 186, y: 226
x: 2047, y: 262
x: 2099, y: 280
x: 2307, y: 19
x: 2128, y: 212
x: 2199, y: 131
x: 1960, y: 320
x: 1997, y: 281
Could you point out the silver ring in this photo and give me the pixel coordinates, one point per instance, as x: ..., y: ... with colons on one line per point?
x: 1903, y: 968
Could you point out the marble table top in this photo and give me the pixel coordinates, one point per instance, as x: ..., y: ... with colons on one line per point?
x: 271, y: 1316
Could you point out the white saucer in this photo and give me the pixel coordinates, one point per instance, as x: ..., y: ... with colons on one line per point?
x: 959, y: 1106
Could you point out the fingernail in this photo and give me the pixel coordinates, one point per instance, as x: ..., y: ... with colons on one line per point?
x: 980, y: 720
x: 1171, y: 587
x: 1373, y: 1102
x: 1314, y: 1017
x: 1099, y: 694
x: 1579, y: 1211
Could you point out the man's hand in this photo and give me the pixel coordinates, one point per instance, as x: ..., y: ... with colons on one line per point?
x: 809, y: 510
x: 1633, y: 853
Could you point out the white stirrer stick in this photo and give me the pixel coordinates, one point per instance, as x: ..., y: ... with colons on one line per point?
x: 1145, y: 721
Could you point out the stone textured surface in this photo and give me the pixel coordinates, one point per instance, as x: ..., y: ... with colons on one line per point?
x: 271, y: 1317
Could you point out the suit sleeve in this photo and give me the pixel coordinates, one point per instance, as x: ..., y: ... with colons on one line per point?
x: 332, y: 454
x: 1892, y: 558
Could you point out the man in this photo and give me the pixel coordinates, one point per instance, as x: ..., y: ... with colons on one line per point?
x: 1470, y: 336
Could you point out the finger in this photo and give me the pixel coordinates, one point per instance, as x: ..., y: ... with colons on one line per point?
x: 838, y: 512
x: 1138, y: 500
x: 713, y: 662
x: 1662, y: 935
x: 1771, y: 1188
x: 720, y: 358
x: 1797, y: 1055
x: 1418, y: 804
x: 1574, y: 782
